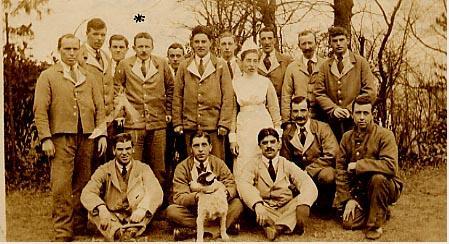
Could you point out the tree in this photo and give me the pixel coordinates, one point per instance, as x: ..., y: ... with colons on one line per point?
x: 343, y: 13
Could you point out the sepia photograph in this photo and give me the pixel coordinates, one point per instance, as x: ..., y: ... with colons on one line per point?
x: 224, y: 121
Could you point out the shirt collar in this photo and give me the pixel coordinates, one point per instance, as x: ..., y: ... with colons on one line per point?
x: 274, y: 161
x: 91, y: 49
x: 306, y: 60
x: 306, y: 125
x: 206, y: 59
x: 345, y: 55
x: 120, y: 166
x: 205, y: 163
x: 67, y: 68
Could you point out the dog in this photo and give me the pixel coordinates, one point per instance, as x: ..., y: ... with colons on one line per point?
x: 212, y: 203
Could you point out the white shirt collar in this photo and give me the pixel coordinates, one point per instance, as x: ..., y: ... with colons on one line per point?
x: 67, y: 68
x: 120, y: 166
x: 307, y: 126
x: 274, y: 161
x: 345, y: 55
x: 206, y: 59
x: 306, y: 60
x: 205, y: 163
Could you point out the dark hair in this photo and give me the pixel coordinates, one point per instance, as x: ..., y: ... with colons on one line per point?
x: 267, y: 29
x: 199, y: 134
x: 227, y: 34
x: 145, y: 35
x: 175, y: 46
x: 361, y: 100
x: 298, y: 100
x: 246, y: 52
x: 122, y: 137
x: 66, y: 36
x: 118, y: 38
x: 201, y: 29
x: 337, y: 31
x: 267, y: 132
x: 305, y: 33
x: 96, y: 24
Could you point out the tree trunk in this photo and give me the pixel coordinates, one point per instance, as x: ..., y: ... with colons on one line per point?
x: 343, y: 14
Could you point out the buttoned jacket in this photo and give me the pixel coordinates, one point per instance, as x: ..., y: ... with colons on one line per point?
x: 276, y: 72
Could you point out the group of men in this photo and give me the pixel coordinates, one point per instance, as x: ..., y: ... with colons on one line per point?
x: 131, y: 119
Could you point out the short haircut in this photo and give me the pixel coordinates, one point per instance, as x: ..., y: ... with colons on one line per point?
x: 66, y: 36
x: 199, y: 134
x: 145, y: 35
x: 298, y: 100
x: 267, y: 29
x: 175, y: 46
x: 337, y: 31
x: 361, y: 100
x: 201, y: 29
x: 246, y: 52
x: 227, y: 34
x: 305, y: 33
x: 122, y: 137
x: 118, y: 38
x: 267, y: 132
x: 96, y: 24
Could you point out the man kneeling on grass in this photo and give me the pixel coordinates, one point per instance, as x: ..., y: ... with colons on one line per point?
x: 123, y: 194
x: 267, y: 185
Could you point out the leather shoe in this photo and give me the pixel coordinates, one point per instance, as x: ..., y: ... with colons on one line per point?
x: 270, y: 232
x: 182, y: 233
x: 234, y: 229
x: 374, y: 233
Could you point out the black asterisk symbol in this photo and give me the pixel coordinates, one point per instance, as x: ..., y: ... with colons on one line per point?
x: 139, y: 18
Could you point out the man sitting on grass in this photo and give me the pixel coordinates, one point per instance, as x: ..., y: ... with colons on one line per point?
x: 123, y: 194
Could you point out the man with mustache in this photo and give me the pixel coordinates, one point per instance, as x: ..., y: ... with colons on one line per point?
x: 123, y: 194
x: 312, y: 146
x: 342, y: 78
x: 298, y: 79
x: 266, y: 187
x: 367, y: 173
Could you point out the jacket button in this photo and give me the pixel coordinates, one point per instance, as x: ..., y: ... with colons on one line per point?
x: 357, y: 153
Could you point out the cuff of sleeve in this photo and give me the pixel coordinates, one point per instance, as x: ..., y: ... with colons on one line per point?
x: 232, y: 137
x: 254, y: 205
x: 96, y: 211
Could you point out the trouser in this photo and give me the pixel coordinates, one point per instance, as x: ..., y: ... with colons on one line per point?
x: 149, y: 147
x: 186, y: 217
x: 285, y: 215
x: 175, y: 153
x: 325, y: 182
x: 380, y: 193
x: 216, y: 140
x: 115, y: 224
x: 340, y: 126
x: 70, y: 172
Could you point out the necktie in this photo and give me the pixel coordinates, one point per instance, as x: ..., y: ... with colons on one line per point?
x: 309, y: 66
x: 201, y: 67
x: 73, y: 74
x: 271, y: 171
x: 143, y: 68
x: 124, y: 171
x: 302, y: 138
x: 267, y: 62
x: 201, y: 168
x: 230, y: 69
x: 340, y: 63
x: 98, y: 57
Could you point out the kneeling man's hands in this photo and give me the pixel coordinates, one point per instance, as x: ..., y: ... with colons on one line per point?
x: 261, y: 214
x: 137, y: 215
x: 105, y: 216
x: 351, y: 205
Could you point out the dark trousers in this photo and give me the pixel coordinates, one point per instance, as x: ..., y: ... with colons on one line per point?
x: 325, y: 182
x: 340, y: 126
x: 175, y: 152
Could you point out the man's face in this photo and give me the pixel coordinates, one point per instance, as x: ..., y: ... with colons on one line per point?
x: 307, y: 45
x: 362, y: 115
x: 69, y: 50
x: 339, y: 44
x: 227, y: 47
x: 143, y: 48
x: 300, y: 113
x: 95, y: 38
x: 175, y: 56
x: 267, y: 40
x: 270, y: 146
x: 123, y: 152
x: 201, y: 148
x: 118, y: 50
x: 201, y: 44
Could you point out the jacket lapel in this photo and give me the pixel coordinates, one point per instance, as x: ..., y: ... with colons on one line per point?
x: 136, y: 69
x: 210, y: 68
x: 112, y: 171
x: 92, y: 61
x: 301, y: 66
x: 348, y: 66
x: 280, y: 171
x: 263, y: 173
x: 133, y: 177
x: 193, y: 69
x: 152, y: 70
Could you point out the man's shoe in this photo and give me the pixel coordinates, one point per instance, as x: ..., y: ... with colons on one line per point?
x: 234, y: 229
x: 374, y: 233
x: 128, y: 234
x: 182, y: 233
x: 270, y: 232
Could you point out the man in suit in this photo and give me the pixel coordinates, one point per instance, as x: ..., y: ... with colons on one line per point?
x: 298, y: 80
x: 175, y: 55
x: 367, y: 173
x: 123, y: 194
x: 342, y: 78
x: 147, y: 84
x: 312, y: 146
x: 203, y: 97
x: 272, y: 63
x: 67, y: 108
x: 266, y: 188
x: 184, y: 210
x: 228, y: 45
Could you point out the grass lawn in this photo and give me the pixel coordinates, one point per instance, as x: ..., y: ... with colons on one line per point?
x: 420, y: 215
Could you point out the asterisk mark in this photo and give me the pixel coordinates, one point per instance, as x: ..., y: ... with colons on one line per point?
x: 139, y: 18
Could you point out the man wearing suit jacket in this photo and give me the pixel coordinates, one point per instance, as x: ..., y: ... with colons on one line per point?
x: 298, y: 80
x: 67, y: 108
x: 123, y: 194
x: 203, y: 97
x: 272, y: 63
x: 266, y: 187
x: 342, y: 78
x: 146, y: 81
x: 175, y: 55
x: 228, y: 45
x: 312, y: 146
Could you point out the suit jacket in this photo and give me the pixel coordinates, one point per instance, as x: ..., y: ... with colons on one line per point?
x: 276, y: 72
x: 333, y: 90
x: 143, y: 190
x: 375, y: 151
x: 255, y: 184
x: 298, y: 82
x: 151, y: 96
x: 182, y: 195
x: 59, y: 101
x: 320, y: 149
x: 203, y: 102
